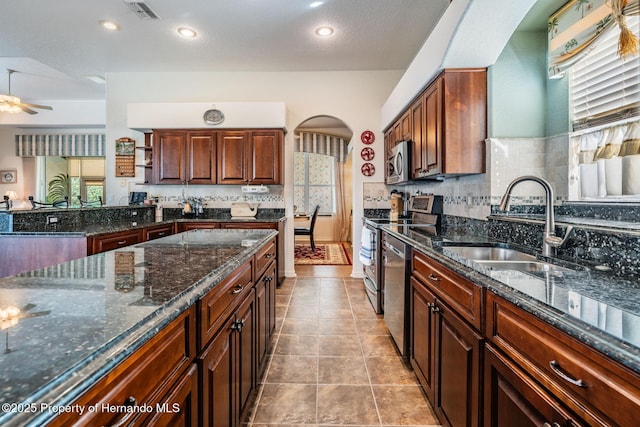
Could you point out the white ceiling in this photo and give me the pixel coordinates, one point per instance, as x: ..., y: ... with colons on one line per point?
x: 55, y: 45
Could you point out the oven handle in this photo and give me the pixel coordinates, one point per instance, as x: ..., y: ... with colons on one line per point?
x: 394, y: 250
x: 370, y: 285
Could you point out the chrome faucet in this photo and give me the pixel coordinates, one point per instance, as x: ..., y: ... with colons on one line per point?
x: 550, y: 241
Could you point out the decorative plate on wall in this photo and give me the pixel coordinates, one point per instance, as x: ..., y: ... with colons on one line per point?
x: 213, y: 116
x: 367, y: 137
x: 368, y: 169
x: 367, y: 153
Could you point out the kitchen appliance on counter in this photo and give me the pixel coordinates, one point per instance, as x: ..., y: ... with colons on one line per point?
x: 397, y: 206
x: 399, y: 164
x: 137, y: 198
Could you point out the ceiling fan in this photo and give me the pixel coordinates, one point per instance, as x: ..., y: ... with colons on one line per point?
x: 12, y: 104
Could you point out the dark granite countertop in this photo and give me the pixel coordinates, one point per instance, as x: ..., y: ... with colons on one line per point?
x: 83, y: 317
x: 599, y: 310
x: 115, y: 227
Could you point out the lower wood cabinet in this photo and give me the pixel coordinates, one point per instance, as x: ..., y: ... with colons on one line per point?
x: 186, y: 226
x: 112, y: 241
x: 265, y: 314
x: 157, y: 231
x: 228, y: 369
x: 158, y: 375
x: 513, y: 398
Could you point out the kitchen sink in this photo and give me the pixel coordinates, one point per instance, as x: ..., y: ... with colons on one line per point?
x: 490, y: 253
x: 500, y: 258
x: 522, y: 265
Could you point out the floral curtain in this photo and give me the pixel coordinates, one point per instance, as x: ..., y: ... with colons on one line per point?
x: 574, y: 29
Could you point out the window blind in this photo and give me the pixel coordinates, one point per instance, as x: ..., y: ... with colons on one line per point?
x: 605, y: 88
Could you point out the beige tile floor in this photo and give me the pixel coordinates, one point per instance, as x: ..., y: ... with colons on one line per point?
x: 334, y: 362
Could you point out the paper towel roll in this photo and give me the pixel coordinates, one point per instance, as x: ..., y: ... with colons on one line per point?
x: 613, y: 176
x: 602, y: 179
x: 631, y: 174
x: 589, y: 180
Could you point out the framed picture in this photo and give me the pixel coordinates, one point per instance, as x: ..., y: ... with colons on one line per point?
x: 125, y: 146
x: 8, y: 176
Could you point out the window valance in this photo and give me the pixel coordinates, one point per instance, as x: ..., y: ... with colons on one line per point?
x: 573, y: 30
x: 72, y: 145
x: 319, y: 143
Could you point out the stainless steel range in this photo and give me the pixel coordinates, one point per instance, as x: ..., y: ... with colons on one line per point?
x: 425, y: 211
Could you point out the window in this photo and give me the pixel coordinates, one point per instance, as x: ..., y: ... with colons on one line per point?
x: 314, y: 182
x: 73, y: 177
x: 605, y: 88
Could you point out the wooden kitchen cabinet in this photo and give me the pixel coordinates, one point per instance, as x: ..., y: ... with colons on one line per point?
x: 107, y: 242
x: 186, y: 226
x: 228, y: 369
x: 445, y: 348
x: 598, y: 390
x: 157, y: 373
x: 265, y: 314
x: 513, y: 398
x: 250, y: 157
x: 182, y: 156
x: 157, y: 231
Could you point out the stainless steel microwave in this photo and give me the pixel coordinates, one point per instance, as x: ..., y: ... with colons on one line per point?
x: 399, y: 164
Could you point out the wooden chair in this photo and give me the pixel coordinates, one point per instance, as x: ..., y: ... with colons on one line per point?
x: 304, y: 231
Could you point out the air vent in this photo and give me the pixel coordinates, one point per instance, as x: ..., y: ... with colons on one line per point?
x: 142, y: 10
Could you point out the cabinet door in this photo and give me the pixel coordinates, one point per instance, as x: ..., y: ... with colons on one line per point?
x: 231, y: 157
x: 264, y: 157
x: 458, y: 379
x: 218, y: 379
x: 201, y: 158
x: 168, y: 156
x: 246, y: 353
x: 265, y: 314
x: 512, y: 398
x: 180, y: 407
x: 422, y: 355
x: 432, y: 149
x: 406, y: 126
x: 417, y: 139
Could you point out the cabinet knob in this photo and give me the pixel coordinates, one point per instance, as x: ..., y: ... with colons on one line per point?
x: 131, y: 401
x: 122, y: 242
x: 435, y: 309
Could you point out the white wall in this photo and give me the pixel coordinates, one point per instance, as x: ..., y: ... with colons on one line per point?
x: 354, y: 97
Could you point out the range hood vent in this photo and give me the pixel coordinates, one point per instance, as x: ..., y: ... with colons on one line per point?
x: 142, y: 10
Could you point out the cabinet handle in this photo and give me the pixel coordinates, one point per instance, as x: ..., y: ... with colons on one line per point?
x: 162, y: 233
x: 268, y: 278
x: 434, y: 278
x: 131, y: 401
x: 122, y: 242
x: 238, y: 289
x: 238, y: 325
x: 435, y: 309
x: 555, y: 367
x: 268, y: 256
x: 551, y: 425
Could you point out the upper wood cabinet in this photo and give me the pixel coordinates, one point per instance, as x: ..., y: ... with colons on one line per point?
x: 454, y: 125
x: 217, y: 156
x: 250, y: 157
x: 184, y: 157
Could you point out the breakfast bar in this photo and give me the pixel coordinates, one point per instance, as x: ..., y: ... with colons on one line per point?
x: 71, y: 327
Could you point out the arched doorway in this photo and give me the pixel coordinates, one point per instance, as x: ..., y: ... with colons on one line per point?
x: 323, y: 177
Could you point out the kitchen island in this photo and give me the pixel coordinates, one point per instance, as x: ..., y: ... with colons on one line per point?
x: 81, y: 320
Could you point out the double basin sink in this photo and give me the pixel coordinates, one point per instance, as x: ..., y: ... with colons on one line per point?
x: 501, y: 258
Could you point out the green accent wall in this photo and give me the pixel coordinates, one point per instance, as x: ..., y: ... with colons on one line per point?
x: 523, y: 102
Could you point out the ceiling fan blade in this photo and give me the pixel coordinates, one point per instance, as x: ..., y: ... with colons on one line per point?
x: 44, y: 107
x: 26, y: 109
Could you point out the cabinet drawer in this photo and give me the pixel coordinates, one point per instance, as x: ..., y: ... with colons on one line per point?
x: 462, y: 295
x: 222, y: 300
x: 145, y: 376
x: 157, y: 232
x: 264, y: 256
x: 596, y: 388
x: 115, y: 241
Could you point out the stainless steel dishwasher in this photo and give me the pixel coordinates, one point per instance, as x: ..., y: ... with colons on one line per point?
x: 395, y: 255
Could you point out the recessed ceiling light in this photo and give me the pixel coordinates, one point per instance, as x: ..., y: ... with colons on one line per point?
x: 316, y: 4
x: 186, y: 32
x: 110, y: 25
x: 324, y: 31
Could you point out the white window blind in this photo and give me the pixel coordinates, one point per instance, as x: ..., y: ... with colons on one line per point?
x: 605, y: 88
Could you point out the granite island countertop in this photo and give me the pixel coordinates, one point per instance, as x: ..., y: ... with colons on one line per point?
x: 83, y: 317
x: 598, y: 309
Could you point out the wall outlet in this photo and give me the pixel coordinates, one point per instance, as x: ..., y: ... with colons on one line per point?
x: 52, y: 219
x: 134, y: 213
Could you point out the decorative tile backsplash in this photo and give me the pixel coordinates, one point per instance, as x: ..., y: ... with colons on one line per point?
x: 220, y: 196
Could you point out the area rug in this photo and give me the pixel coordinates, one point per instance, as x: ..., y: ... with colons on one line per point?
x: 325, y: 254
